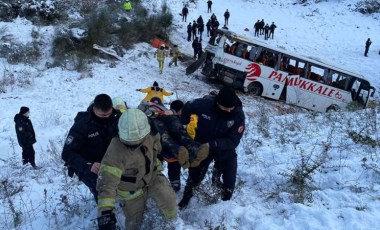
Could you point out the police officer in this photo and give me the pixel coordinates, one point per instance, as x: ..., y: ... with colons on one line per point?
x: 88, y: 140
x: 221, y: 125
x: 131, y: 171
x: 25, y: 136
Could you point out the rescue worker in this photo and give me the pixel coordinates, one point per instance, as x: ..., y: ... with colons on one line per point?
x: 119, y: 104
x: 226, y: 17
x: 88, y: 140
x: 185, y: 12
x: 127, y: 6
x: 221, y: 125
x: 26, y: 136
x: 367, y: 44
x: 131, y: 171
x: 175, y: 54
x: 161, y: 54
x: 154, y: 91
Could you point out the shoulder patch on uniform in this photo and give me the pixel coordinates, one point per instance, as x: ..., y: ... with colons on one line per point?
x: 230, y: 123
x: 241, y: 129
x: 69, y: 140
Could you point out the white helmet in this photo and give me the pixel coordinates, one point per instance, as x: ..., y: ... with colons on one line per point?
x: 133, y: 125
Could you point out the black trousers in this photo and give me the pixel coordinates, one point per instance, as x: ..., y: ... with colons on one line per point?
x: 28, y: 155
x: 89, y: 179
x: 174, y: 172
x: 225, y: 168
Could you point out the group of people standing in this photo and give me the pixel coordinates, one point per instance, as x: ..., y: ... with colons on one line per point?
x: 118, y: 154
x: 264, y: 29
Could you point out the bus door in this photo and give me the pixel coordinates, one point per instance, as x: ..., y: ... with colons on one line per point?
x: 294, y: 69
x: 275, y: 75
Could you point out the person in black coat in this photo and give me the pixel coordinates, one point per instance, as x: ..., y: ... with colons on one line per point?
x: 26, y: 136
x: 226, y: 17
x: 266, y: 29
x: 261, y: 26
x: 257, y: 28
x: 197, y: 46
x: 367, y: 44
x: 271, y: 29
x: 194, y: 29
x: 185, y: 12
x: 201, y: 28
x: 88, y: 140
x: 189, y: 30
x: 209, y: 4
x: 221, y: 123
x: 208, y: 27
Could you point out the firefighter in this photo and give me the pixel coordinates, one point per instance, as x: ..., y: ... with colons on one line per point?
x: 175, y: 54
x: 160, y: 54
x: 127, y: 6
x: 131, y: 171
x: 154, y: 91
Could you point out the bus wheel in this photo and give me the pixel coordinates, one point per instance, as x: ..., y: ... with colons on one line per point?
x: 333, y: 108
x: 256, y: 89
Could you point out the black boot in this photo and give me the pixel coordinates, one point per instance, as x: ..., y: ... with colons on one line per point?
x: 187, y: 194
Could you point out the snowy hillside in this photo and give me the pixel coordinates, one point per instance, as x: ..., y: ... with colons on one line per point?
x: 296, y: 169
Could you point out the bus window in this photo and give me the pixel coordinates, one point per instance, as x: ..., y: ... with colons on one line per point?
x: 254, y: 53
x: 339, y: 80
x: 284, y: 63
x: 301, y: 68
x: 316, y: 73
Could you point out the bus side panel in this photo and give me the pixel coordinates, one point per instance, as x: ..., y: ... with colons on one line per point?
x: 292, y: 89
x: 313, y: 95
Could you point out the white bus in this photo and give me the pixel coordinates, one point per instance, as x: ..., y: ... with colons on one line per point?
x: 263, y: 70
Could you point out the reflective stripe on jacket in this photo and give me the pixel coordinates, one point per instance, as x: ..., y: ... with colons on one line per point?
x: 125, y: 171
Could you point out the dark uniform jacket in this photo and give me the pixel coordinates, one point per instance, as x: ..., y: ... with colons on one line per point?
x: 24, y: 130
x: 88, y: 140
x: 222, y: 131
x: 185, y: 11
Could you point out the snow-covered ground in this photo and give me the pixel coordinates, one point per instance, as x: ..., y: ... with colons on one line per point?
x: 344, y: 190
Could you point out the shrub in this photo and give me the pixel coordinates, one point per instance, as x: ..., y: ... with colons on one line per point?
x: 368, y: 6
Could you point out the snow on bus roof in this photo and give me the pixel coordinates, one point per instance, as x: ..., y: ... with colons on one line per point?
x: 317, y: 61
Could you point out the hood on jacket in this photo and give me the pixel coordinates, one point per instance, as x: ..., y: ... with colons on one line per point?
x: 18, y: 117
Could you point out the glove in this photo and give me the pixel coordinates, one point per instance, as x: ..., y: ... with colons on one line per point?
x: 107, y: 221
x: 137, y: 89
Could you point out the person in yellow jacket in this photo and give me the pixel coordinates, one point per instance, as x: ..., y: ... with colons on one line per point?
x: 127, y: 6
x: 175, y: 54
x: 131, y: 171
x: 154, y: 91
x: 160, y: 54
